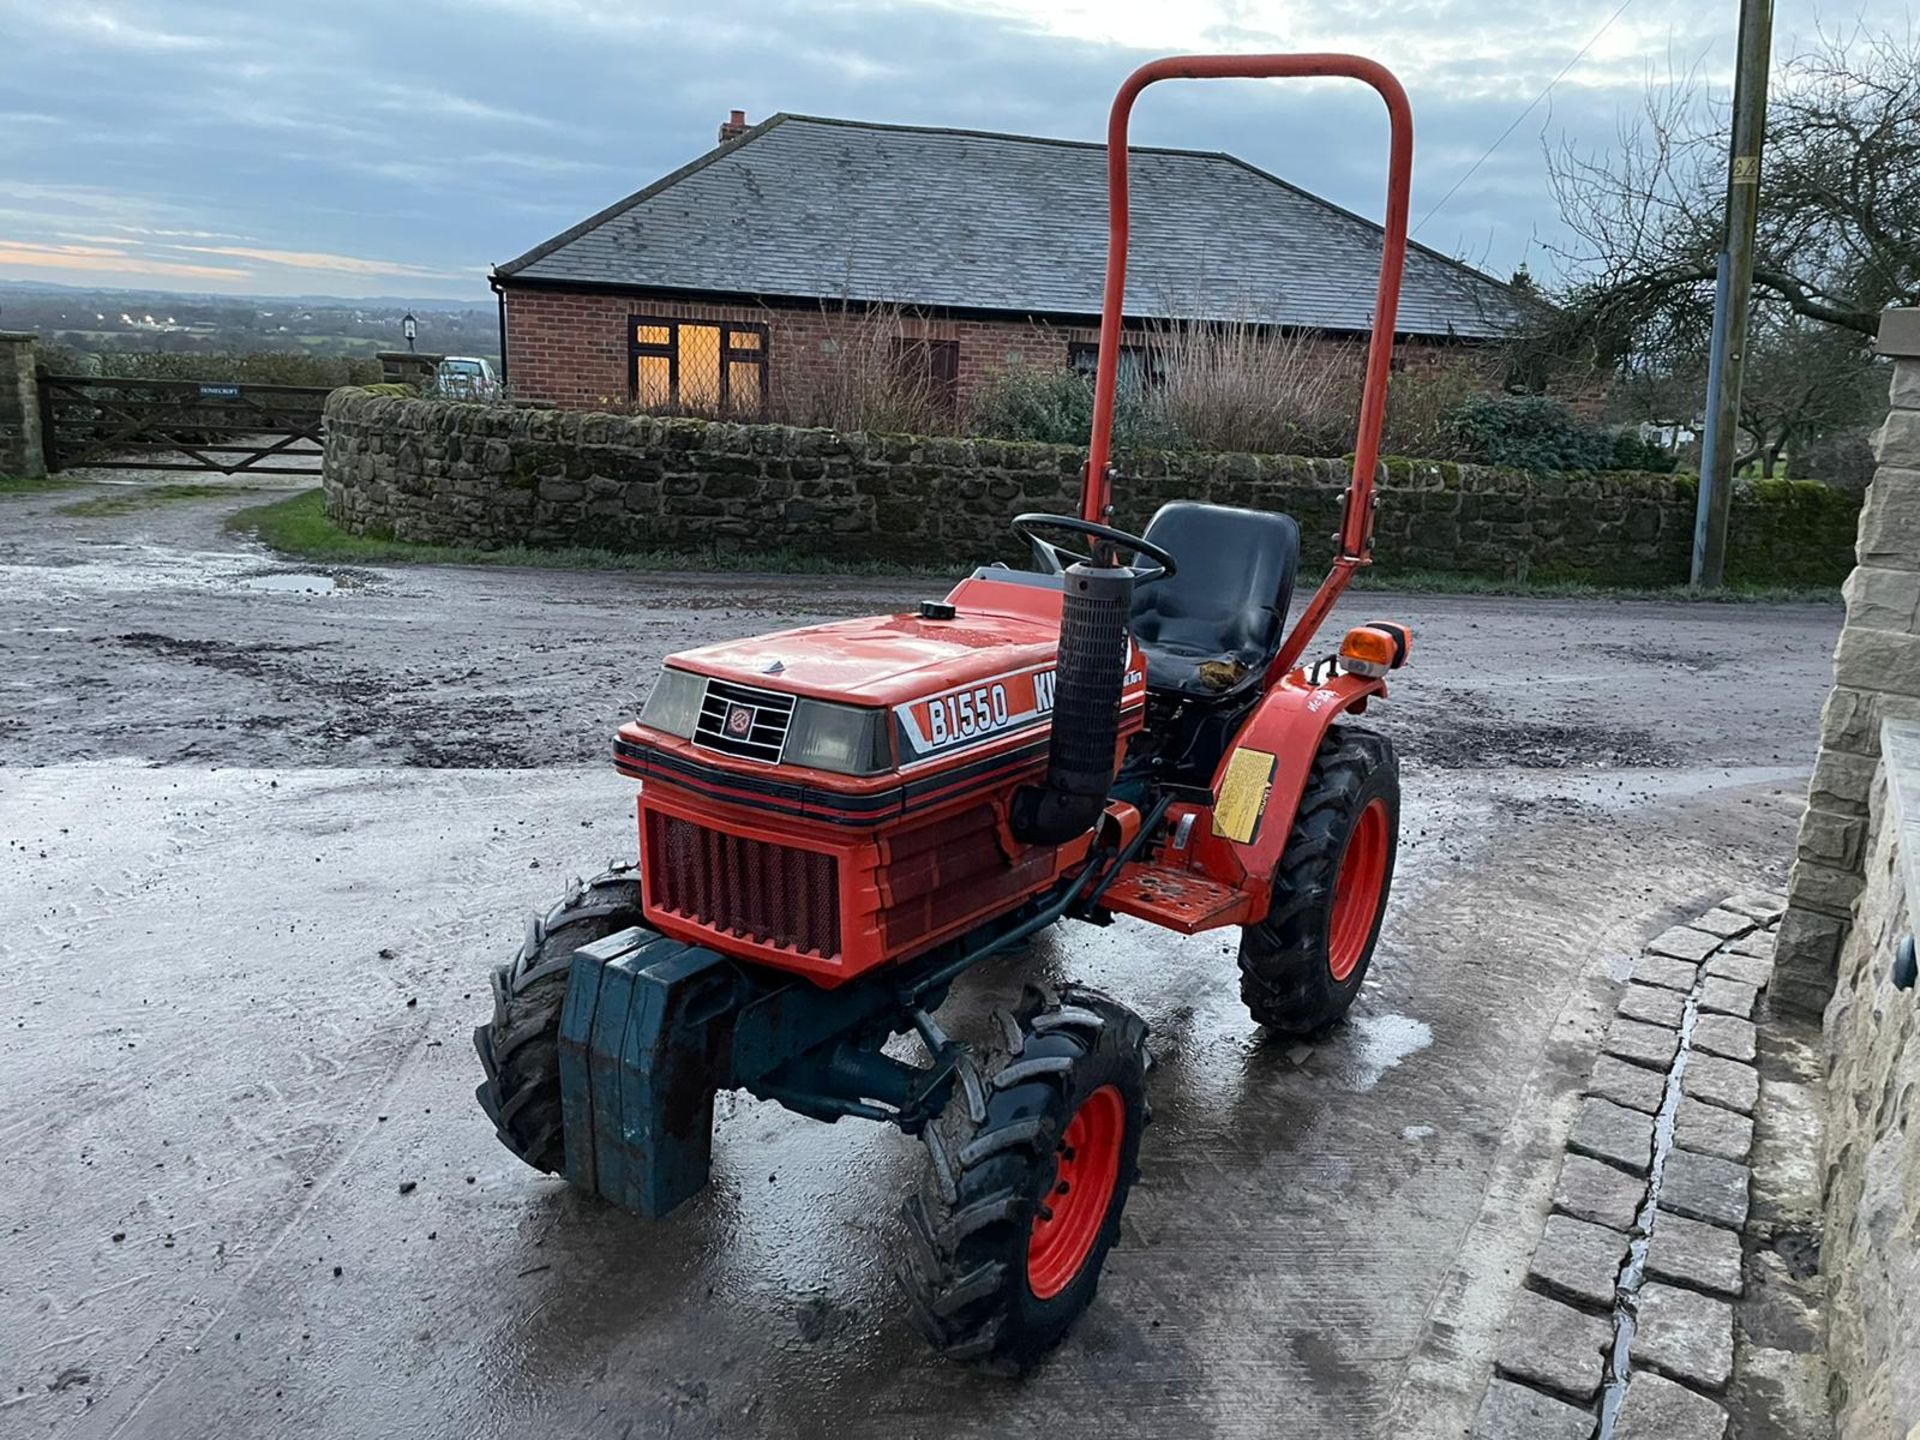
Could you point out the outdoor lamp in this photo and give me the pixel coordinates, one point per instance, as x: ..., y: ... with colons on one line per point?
x: 409, y: 327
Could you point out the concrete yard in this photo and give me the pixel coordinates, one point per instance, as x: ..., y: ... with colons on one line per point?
x: 264, y: 836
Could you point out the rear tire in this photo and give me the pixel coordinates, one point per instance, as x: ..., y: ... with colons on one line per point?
x: 520, y: 1046
x: 1301, y: 967
x: 1000, y: 1259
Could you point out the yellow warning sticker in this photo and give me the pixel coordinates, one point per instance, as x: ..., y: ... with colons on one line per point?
x: 1243, y: 795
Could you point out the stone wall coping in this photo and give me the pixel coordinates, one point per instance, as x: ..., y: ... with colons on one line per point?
x: 1900, y: 744
x: 448, y: 471
x: 1900, y: 333
x: 350, y: 402
x: 18, y: 335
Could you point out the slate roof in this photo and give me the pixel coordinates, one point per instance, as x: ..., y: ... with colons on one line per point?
x: 805, y: 207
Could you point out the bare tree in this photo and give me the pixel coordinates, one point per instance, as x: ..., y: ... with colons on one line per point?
x: 1803, y: 381
x: 1839, y: 236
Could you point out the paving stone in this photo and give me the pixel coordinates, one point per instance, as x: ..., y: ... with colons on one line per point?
x: 1513, y: 1412
x: 1710, y: 1130
x: 1667, y: 973
x: 1579, y: 1260
x: 1554, y: 1346
x: 1728, y: 997
x: 1721, y: 1082
x: 1763, y: 905
x: 1727, y: 924
x: 1658, y: 1409
x: 1747, y: 969
x: 1590, y: 1190
x: 1757, y: 946
x: 1689, y: 1252
x: 1705, y: 1187
x: 1615, y: 1134
x: 1684, y: 943
x: 1648, y: 1045
x: 1685, y: 1335
x: 1653, y: 1006
x: 1726, y: 1035
x: 1633, y: 1086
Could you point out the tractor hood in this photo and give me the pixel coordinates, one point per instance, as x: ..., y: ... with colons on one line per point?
x: 882, y: 660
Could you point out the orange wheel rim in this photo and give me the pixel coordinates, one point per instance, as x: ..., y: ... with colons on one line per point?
x: 1086, y: 1168
x: 1356, y: 890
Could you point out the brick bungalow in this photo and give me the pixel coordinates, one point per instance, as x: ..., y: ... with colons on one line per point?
x: 736, y: 279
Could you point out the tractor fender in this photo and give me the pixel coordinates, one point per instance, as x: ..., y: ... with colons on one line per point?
x: 1260, y: 779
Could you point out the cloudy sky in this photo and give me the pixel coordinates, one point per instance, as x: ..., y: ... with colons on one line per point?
x: 400, y: 147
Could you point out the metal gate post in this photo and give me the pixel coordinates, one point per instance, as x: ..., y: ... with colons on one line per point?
x: 49, y: 432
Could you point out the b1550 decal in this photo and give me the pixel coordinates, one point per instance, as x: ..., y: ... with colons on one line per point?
x: 974, y: 712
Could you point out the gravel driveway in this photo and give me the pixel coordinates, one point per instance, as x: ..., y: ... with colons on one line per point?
x: 267, y: 826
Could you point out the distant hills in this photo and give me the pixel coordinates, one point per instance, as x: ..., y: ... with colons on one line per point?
x: 81, y: 320
x: 328, y: 302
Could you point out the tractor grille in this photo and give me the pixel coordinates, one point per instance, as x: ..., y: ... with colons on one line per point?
x: 739, y: 720
x: 774, y: 894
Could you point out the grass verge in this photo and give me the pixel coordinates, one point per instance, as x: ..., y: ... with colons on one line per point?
x: 147, y: 497
x: 1446, y: 582
x: 298, y: 528
x: 32, y: 484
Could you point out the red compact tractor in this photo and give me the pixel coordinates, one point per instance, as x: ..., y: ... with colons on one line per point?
x: 837, y: 822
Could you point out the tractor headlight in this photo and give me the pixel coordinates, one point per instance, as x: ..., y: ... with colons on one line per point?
x: 839, y: 738
x: 674, y: 705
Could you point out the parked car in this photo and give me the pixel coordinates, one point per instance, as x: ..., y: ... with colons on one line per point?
x: 466, y: 377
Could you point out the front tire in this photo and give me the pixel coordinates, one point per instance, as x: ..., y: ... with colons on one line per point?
x: 520, y: 1046
x: 1301, y: 967
x: 1028, y: 1170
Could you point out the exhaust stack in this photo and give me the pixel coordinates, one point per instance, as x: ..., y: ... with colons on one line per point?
x: 1088, y: 677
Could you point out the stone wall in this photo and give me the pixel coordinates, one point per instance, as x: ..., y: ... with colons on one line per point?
x: 490, y: 476
x: 1871, y: 1247
x: 22, y: 452
x: 1876, y: 673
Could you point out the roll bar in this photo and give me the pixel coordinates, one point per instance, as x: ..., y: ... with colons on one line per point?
x: 1356, y: 524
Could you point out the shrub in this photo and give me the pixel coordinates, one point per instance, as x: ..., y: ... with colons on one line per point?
x: 1240, y: 387
x: 1532, y: 432
x: 1055, y: 407
x: 866, y: 379
x: 1630, y: 452
x: 1027, y: 402
x: 1421, y: 401
x: 1228, y: 387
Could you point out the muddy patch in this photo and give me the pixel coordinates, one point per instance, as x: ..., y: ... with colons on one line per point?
x: 1465, y: 731
x: 1654, y: 657
x: 1473, y: 744
x: 313, y: 697
x: 257, y: 661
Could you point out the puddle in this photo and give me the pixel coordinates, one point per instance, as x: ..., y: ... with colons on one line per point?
x: 291, y: 582
x: 1380, y: 1042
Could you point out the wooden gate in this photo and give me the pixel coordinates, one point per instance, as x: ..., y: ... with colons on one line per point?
x: 127, y: 424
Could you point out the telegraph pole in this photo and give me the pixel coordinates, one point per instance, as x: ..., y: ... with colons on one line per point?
x: 1733, y: 290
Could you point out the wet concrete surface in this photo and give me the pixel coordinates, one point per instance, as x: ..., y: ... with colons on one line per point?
x: 263, y: 843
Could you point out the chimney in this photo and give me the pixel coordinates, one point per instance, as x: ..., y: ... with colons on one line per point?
x: 734, y: 126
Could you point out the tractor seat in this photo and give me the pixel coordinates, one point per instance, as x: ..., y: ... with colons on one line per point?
x: 1211, y: 629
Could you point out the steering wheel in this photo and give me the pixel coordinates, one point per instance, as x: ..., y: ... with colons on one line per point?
x: 1107, y: 543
